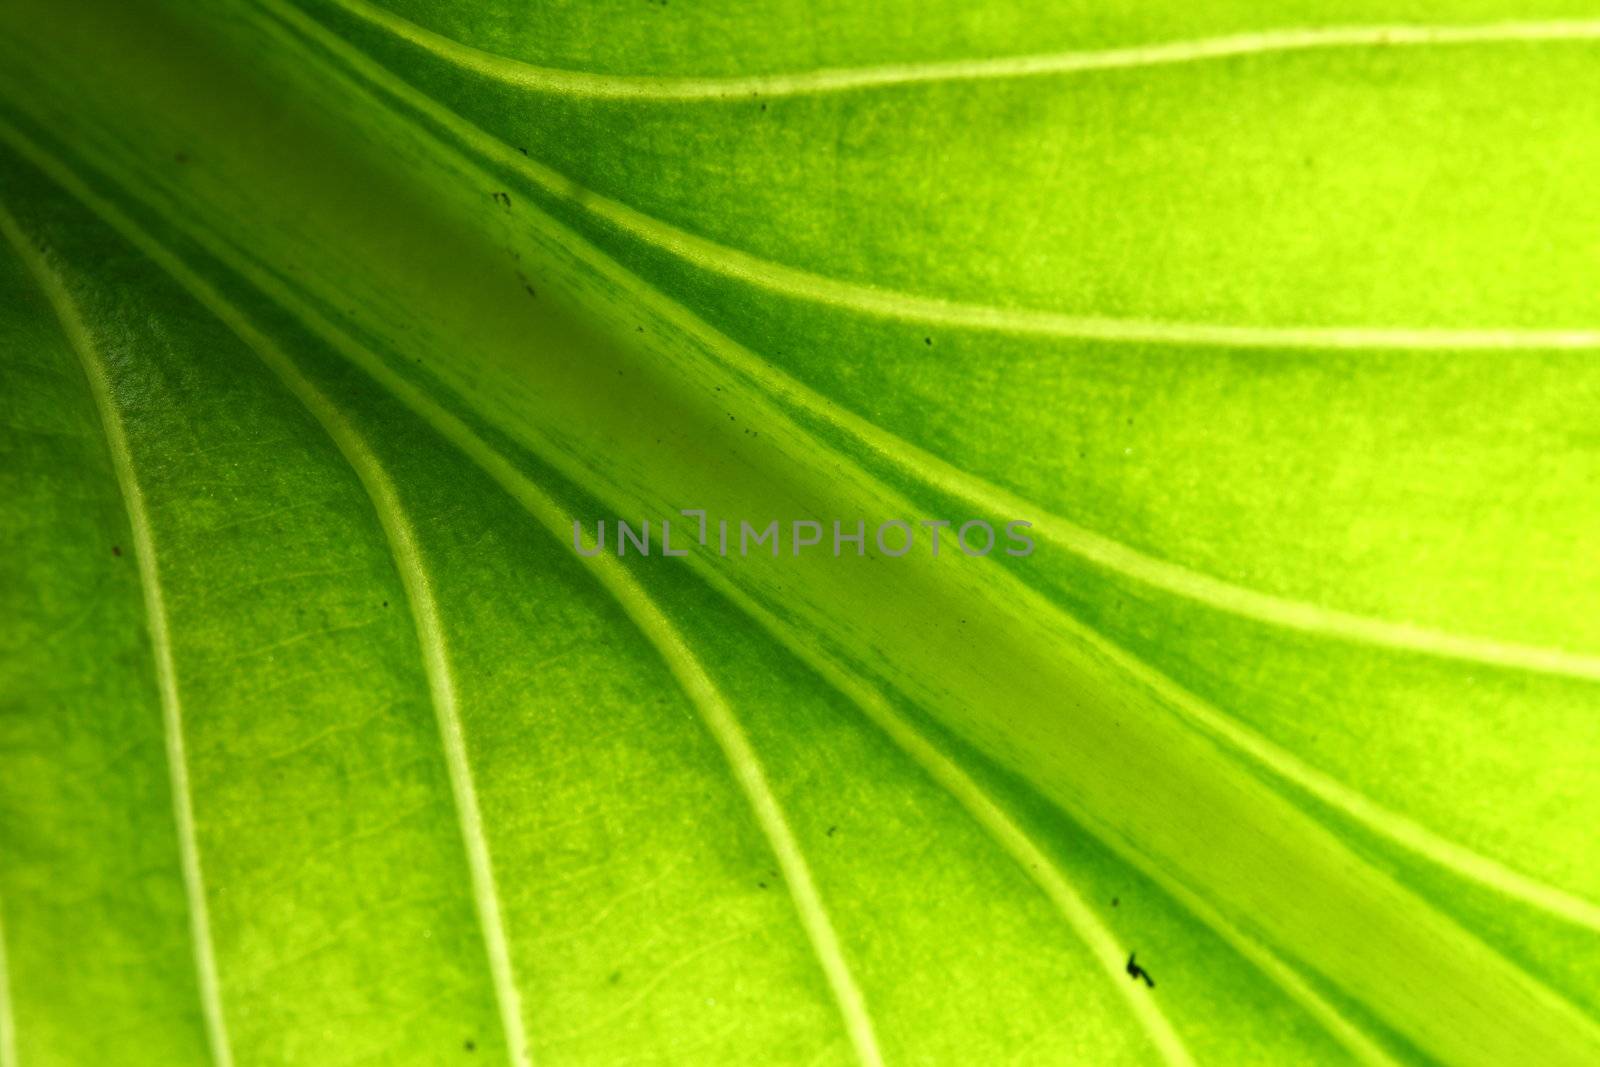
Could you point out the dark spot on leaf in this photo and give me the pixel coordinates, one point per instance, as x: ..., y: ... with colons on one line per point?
x: 116, y: 550
x: 470, y: 1045
x: 616, y: 976
x: 524, y: 151
x: 1113, y: 902
x: 1137, y: 972
x: 832, y: 830
x: 180, y: 158
x: 763, y: 885
x: 928, y: 341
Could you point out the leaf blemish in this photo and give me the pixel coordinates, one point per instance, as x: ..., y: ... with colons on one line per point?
x: 116, y: 550
x: 1137, y: 972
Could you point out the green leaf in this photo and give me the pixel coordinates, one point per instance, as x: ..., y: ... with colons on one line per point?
x: 324, y: 322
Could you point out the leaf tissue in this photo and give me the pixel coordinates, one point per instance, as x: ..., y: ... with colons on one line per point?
x: 542, y: 532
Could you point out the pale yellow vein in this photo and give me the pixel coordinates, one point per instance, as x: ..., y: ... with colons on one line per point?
x: 842, y: 79
x: 100, y: 387
x: 8, y: 1016
x: 433, y: 643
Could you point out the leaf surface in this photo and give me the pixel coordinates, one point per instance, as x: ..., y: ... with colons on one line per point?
x: 324, y: 322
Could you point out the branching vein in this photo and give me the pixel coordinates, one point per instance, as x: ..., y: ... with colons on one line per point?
x: 431, y: 638
x: 100, y: 387
x: 8, y: 1011
x: 832, y: 80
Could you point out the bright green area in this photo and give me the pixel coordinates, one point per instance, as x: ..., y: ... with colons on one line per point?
x: 319, y: 745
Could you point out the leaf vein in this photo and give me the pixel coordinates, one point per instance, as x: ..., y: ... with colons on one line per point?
x: 407, y: 555
x: 841, y: 79
x: 8, y: 1010
x: 100, y: 388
